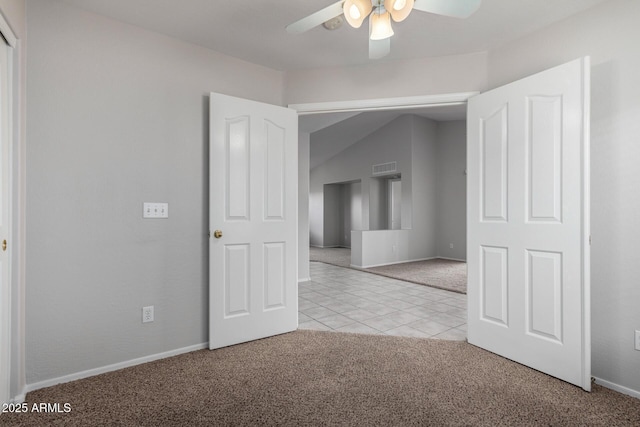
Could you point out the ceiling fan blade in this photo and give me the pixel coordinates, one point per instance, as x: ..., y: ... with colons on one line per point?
x: 453, y: 8
x: 315, y: 19
x: 379, y: 48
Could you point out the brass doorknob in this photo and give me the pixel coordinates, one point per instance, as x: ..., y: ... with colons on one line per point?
x: 217, y: 234
x: 4, y: 245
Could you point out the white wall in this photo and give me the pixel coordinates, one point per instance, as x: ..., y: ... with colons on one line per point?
x: 373, y: 248
x: 608, y: 33
x: 118, y: 116
x: 452, y: 190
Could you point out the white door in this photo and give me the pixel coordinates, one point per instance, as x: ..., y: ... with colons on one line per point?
x: 253, y: 199
x: 528, y: 222
x: 5, y: 229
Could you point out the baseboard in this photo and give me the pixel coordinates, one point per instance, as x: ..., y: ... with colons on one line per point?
x: 109, y: 368
x: 392, y: 263
x: 617, y: 387
x: 19, y: 398
x: 330, y: 247
x: 306, y: 279
x: 451, y: 259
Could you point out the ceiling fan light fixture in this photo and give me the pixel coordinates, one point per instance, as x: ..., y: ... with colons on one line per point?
x: 380, y: 25
x: 356, y: 11
x: 399, y: 9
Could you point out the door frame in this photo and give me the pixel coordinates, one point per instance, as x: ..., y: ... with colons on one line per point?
x: 5, y: 287
x: 383, y: 104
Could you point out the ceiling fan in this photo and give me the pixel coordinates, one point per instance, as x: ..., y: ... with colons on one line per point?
x: 380, y: 13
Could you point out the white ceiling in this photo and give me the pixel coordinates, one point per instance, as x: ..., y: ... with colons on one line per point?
x: 254, y: 30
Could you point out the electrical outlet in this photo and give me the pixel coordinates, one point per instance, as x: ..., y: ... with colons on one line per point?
x: 147, y: 314
x: 450, y: 245
x: 638, y: 340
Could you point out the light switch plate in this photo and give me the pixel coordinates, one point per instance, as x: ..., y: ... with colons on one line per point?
x: 637, y: 340
x: 155, y: 210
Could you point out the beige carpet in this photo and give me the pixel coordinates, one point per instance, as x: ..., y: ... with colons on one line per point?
x: 334, y: 256
x: 437, y: 273
x: 327, y: 378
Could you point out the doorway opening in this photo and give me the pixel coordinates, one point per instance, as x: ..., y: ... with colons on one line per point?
x: 398, y: 208
x: 342, y: 213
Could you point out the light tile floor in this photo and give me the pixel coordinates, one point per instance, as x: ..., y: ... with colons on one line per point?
x: 346, y: 300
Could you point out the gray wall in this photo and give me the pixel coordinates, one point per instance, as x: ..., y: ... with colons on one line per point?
x: 452, y: 190
x: 423, y: 186
x: 411, y: 142
x: 118, y: 116
x: 316, y: 216
x: 351, y: 212
x: 354, y: 201
x: 333, y: 216
x: 378, y: 204
x: 354, y: 164
x: 609, y: 33
x: 303, y: 206
x: 439, y: 189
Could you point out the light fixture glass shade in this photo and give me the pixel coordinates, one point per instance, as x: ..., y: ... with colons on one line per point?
x: 380, y: 26
x: 399, y: 9
x: 356, y: 11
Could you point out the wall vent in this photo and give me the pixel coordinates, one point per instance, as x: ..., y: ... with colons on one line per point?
x: 385, y: 168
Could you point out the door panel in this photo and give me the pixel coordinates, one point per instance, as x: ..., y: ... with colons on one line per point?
x: 274, y: 277
x: 253, y: 202
x: 494, y: 167
x: 544, y: 150
x: 494, y: 285
x: 236, y: 280
x: 528, y: 221
x: 239, y: 178
x: 274, y: 176
x: 544, y: 294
